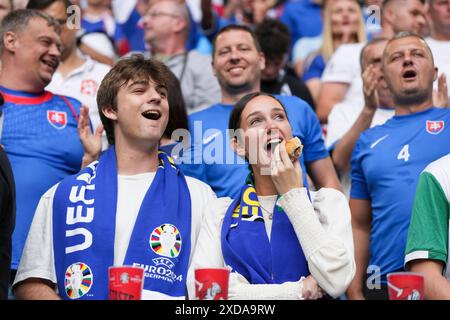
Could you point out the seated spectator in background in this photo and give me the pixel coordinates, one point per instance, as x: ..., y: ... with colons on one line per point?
x: 39, y: 129
x: 128, y: 15
x: 166, y: 28
x: 7, y: 219
x: 387, y: 161
x: 77, y: 76
x: 439, y: 40
x: 343, y: 23
x: 136, y: 191
x: 101, y: 32
x: 341, y: 79
x: 277, y: 77
x: 238, y: 62
x: 276, y: 248
x: 427, y: 249
x: 346, y: 122
x: 303, y: 18
x: 241, y: 12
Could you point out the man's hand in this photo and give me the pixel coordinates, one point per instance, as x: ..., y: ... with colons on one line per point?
x: 92, y: 143
x: 370, y: 82
x: 440, y: 97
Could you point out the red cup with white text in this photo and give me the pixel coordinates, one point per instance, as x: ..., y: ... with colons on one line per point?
x: 125, y: 283
x: 212, y: 283
x: 405, y: 286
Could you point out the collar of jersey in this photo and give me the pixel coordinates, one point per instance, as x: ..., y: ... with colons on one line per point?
x: 22, y: 97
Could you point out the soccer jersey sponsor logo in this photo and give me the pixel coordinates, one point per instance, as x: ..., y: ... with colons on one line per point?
x: 89, y: 87
x: 58, y: 119
x: 78, y: 280
x: 165, y: 241
x: 435, y: 127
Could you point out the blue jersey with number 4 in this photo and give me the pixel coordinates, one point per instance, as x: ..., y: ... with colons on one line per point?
x: 386, y: 163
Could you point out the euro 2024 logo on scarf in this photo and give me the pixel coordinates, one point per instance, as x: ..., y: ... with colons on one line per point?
x: 78, y: 280
x: 165, y: 241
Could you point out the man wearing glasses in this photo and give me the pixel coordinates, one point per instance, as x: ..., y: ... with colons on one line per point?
x: 166, y: 30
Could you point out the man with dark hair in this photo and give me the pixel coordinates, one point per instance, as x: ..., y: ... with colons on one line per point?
x: 77, y: 76
x: 387, y: 161
x: 39, y: 129
x: 237, y: 63
x: 133, y: 205
x: 277, y: 77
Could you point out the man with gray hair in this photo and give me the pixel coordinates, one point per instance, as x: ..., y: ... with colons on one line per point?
x: 166, y: 29
x: 387, y: 161
x: 39, y: 129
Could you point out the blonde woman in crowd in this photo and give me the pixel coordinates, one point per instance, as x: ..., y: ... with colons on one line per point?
x: 343, y: 23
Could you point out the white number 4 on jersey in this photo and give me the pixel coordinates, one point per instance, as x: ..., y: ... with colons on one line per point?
x: 404, y: 153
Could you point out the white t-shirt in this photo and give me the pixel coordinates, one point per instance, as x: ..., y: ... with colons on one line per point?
x: 340, y: 120
x: 38, y: 258
x: 82, y: 84
x: 344, y: 67
x: 441, y: 55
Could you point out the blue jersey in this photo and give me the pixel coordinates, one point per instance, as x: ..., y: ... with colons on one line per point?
x: 221, y: 168
x: 303, y: 18
x: 41, y: 139
x: 386, y: 163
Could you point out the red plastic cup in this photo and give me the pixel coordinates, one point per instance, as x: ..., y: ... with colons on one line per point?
x: 125, y: 283
x: 212, y: 283
x: 405, y: 286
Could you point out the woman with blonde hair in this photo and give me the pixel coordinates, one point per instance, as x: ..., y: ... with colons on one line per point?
x: 343, y: 23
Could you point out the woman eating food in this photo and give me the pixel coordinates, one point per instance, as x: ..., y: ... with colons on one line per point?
x: 278, y: 239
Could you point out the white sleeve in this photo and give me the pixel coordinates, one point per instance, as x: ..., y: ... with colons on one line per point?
x: 338, y: 125
x: 340, y: 68
x: 325, y: 234
x: 208, y: 250
x: 208, y: 254
x: 37, y: 257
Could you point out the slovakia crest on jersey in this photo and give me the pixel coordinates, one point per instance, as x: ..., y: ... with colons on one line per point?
x: 435, y: 127
x: 57, y: 119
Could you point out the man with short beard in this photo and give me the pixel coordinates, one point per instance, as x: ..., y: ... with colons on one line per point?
x: 386, y: 163
x: 237, y: 63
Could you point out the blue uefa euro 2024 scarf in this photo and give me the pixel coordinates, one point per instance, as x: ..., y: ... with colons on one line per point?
x: 84, y: 221
x: 246, y: 247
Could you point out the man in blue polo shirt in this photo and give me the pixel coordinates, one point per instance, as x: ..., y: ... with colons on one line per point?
x: 39, y: 131
x: 237, y: 63
x: 387, y: 161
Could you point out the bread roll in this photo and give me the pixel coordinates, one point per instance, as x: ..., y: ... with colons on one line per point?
x: 294, y: 148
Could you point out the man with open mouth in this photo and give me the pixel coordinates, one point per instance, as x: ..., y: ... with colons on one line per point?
x: 132, y: 207
x: 387, y: 161
x: 39, y: 130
